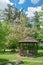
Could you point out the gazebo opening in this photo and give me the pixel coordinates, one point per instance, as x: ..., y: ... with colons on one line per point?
x: 28, y: 47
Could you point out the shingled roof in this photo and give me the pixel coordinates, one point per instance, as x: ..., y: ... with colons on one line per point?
x: 28, y: 39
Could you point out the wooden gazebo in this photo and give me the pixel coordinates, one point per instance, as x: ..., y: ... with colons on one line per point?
x: 28, y: 47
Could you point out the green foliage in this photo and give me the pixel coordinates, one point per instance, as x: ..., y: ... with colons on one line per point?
x: 36, y: 20
x: 38, y: 31
x: 40, y: 47
x: 10, y: 13
x: 2, y: 36
x: 18, y: 30
x: 4, y: 32
x: 13, y: 43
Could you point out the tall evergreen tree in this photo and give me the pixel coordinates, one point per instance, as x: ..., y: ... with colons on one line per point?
x: 36, y: 20
x: 10, y: 13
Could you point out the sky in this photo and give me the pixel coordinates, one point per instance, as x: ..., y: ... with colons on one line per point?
x: 27, y: 3
x: 30, y: 6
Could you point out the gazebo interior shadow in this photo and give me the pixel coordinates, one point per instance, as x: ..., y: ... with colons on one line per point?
x: 2, y: 60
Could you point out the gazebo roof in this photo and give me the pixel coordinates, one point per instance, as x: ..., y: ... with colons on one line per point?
x: 29, y: 39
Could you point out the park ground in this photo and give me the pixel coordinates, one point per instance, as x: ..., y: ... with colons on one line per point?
x: 12, y: 56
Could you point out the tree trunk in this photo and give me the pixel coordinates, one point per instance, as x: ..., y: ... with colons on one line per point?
x: 4, y: 50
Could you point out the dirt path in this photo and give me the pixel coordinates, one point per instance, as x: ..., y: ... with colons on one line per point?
x: 28, y: 61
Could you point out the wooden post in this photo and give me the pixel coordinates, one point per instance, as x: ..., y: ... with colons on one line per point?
x: 28, y: 49
x: 20, y: 48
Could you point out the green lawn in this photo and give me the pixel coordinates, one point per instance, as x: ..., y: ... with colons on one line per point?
x: 9, y: 62
x: 15, y: 56
x: 26, y: 63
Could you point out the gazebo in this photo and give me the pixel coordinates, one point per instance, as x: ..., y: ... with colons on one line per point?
x: 28, y: 47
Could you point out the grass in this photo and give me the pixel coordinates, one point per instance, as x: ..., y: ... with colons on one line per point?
x: 15, y: 56
x: 32, y: 63
x: 9, y: 63
x: 6, y: 56
x: 25, y: 63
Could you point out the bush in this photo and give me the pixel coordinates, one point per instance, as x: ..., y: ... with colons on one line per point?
x: 13, y: 44
x: 40, y: 47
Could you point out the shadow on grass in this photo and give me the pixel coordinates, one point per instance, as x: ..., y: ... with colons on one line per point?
x: 3, y: 60
x: 8, y: 63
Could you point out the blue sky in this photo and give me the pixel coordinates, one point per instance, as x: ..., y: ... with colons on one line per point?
x: 27, y: 3
x: 30, y: 6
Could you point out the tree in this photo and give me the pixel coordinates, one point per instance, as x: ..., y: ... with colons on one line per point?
x: 2, y: 37
x: 42, y: 8
x: 36, y: 20
x: 10, y: 13
x: 4, y: 32
x: 13, y: 44
x: 19, y: 27
x: 38, y: 31
x: 1, y: 15
x: 36, y: 25
x: 41, y: 24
